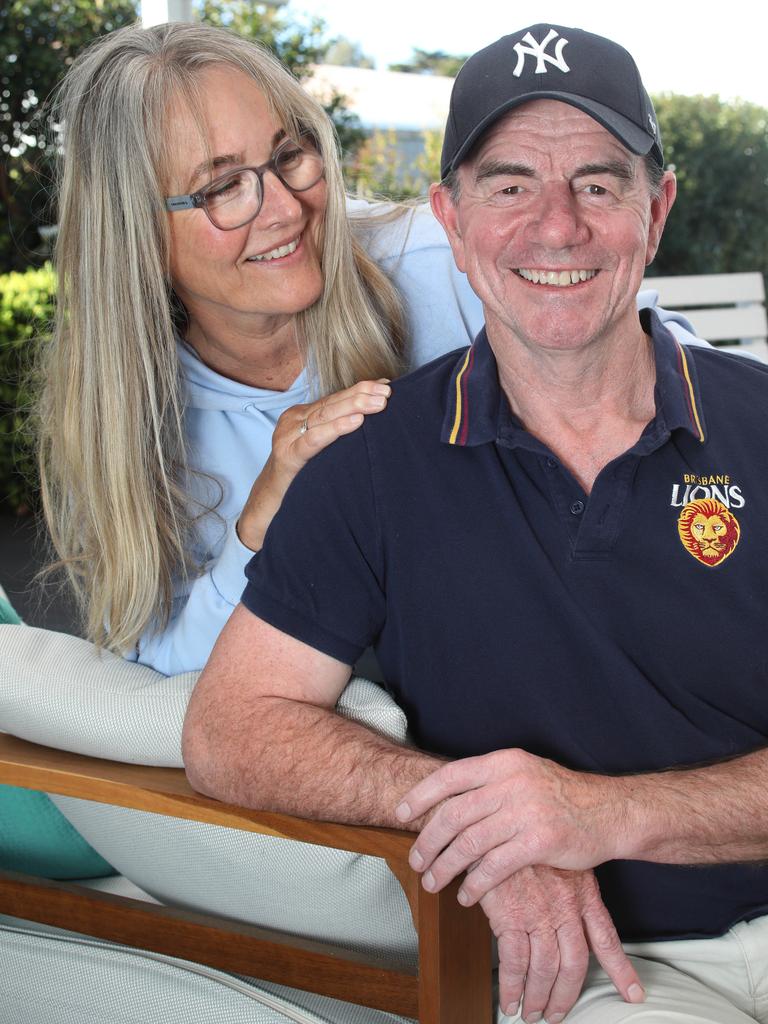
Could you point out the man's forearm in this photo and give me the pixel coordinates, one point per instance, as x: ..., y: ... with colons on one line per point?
x: 509, y: 809
x: 295, y: 757
x: 708, y: 815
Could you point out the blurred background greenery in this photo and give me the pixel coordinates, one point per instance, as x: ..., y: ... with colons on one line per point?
x: 718, y: 149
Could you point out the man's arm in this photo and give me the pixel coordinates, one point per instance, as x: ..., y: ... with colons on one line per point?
x: 261, y: 732
x: 509, y: 809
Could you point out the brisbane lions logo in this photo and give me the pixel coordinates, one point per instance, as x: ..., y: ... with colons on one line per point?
x: 709, y: 531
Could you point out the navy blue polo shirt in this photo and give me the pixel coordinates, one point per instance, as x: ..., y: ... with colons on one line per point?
x: 618, y: 631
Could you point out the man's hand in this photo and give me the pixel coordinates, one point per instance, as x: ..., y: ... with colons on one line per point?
x: 508, y: 810
x: 546, y: 921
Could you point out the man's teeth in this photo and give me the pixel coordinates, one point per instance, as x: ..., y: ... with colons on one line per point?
x: 283, y: 250
x: 561, y: 278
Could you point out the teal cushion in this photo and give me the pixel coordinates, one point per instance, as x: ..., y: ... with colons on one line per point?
x: 35, y: 837
x: 7, y: 614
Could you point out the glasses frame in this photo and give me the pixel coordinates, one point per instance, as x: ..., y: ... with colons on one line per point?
x: 199, y: 199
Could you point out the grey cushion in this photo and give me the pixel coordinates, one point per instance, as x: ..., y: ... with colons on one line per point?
x: 54, y: 977
x: 60, y: 691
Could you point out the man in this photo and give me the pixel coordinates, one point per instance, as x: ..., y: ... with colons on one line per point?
x: 552, y: 540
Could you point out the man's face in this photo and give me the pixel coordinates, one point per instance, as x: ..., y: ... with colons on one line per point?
x: 554, y: 225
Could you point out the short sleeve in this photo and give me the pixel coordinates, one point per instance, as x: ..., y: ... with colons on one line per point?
x: 318, y: 576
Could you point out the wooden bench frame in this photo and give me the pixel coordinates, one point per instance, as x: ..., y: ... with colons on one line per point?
x: 451, y: 986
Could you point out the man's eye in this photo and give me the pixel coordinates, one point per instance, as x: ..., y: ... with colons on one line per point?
x: 596, y: 190
x: 511, y: 190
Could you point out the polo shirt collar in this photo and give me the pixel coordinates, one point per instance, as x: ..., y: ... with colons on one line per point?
x: 476, y: 408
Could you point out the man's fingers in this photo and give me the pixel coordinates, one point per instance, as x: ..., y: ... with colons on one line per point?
x: 514, y: 956
x: 500, y: 863
x: 606, y: 945
x: 449, y: 780
x: 543, y: 969
x: 460, y: 832
x: 574, y: 961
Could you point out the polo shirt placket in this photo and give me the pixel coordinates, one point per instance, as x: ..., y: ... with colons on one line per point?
x: 477, y: 413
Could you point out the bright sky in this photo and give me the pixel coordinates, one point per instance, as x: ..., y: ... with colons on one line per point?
x: 685, y: 47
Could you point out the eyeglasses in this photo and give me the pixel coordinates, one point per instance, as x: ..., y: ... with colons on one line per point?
x: 235, y: 199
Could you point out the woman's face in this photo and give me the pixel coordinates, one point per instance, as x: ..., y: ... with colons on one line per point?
x: 237, y: 279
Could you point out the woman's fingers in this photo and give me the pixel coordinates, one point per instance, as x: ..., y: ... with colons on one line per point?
x: 364, y: 398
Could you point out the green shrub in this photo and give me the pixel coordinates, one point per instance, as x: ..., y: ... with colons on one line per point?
x: 26, y: 312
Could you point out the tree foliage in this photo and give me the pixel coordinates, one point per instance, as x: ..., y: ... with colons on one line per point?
x: 380, y: 170
x: 39, y: 39
x: 431, y: 62
x: 298, y: 44
x: 344, y: 52
x: 719, y: 152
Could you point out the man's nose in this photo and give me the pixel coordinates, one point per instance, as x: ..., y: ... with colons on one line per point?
x: 558, y: 222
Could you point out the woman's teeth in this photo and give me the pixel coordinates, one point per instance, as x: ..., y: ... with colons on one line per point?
x: 275, y: 254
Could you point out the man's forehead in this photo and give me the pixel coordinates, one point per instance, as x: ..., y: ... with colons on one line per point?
x: 549, y: 118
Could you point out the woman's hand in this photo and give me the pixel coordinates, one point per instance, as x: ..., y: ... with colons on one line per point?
x: 301, y: 432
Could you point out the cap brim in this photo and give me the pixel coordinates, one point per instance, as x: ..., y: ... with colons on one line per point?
x: 628, y: 133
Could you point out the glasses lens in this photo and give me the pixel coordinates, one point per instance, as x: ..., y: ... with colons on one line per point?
x: 299, y: 168
x: 234, y: 199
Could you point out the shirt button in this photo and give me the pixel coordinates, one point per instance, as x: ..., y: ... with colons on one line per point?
x: 577, y: 508
x: 551, y: 463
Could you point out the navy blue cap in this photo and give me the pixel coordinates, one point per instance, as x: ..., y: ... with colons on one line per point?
x: 550, y: 62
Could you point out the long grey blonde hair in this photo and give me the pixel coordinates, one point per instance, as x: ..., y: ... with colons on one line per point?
x: 112, y: 446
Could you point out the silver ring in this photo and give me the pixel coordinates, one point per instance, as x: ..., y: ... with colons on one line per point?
x: 303, y: 428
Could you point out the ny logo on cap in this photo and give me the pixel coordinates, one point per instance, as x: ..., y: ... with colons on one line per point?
x: 538, y: 50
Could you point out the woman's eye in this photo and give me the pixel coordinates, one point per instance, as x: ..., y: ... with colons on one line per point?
x: 289, y: 157
x: 223, y: 191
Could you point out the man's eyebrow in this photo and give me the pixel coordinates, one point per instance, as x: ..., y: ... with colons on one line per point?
x: 226, y: 160
x: 616, y: 168
x: 496, y: 168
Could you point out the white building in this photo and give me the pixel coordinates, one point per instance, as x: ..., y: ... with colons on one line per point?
x: 408, y: 104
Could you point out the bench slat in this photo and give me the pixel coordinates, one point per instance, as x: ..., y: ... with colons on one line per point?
x: 707, y: 289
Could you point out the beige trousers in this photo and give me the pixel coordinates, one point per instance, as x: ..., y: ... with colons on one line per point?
x: 691, y: 981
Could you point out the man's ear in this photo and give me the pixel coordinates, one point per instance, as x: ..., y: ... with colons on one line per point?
x: 660, y: 207
x: 446, y: 211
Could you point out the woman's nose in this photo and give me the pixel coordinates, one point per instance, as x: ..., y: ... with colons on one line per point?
x: 279, y: 204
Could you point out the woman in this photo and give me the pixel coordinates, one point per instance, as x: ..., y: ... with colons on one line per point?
x: 202, y: 306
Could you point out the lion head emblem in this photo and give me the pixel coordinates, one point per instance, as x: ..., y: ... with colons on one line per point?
x: 709, y: 531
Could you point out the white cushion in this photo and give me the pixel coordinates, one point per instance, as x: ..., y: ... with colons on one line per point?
x: 58, y: 690
x: 50, y: 976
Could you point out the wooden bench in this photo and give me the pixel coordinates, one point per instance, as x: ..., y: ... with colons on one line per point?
x: 726, y: 309
x: 454, y: 978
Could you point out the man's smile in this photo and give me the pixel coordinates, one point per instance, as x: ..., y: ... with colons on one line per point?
x: 560, y: 278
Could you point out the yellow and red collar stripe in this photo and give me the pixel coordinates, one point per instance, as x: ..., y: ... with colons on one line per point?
x: 461, y: 418
x: 690, y: 394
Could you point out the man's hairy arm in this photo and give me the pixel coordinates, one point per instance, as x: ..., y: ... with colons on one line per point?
x: 508, y: 809
x: 261, y: 731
